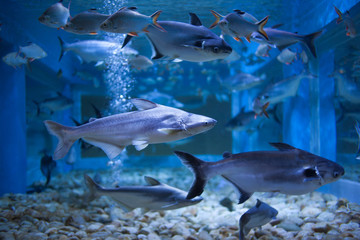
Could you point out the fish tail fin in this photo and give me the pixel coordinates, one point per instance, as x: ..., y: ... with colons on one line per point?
x: 263, y: 110
x: 261, y: 25
x: 198, y: 167
x: 154, y: 18
x: 62, y: 133
x: 309, y: 41
x: 217, y: 16
x: 93, y: 187
x: 62, y: 48
x: 340, y: 19
x: 126, y: 40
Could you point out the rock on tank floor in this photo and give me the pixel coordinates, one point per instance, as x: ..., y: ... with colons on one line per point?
x: 62, y: 212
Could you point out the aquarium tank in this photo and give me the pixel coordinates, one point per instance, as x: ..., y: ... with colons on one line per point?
x: 182, y: 120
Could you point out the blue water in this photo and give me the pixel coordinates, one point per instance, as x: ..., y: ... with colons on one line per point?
x: 316, y: 119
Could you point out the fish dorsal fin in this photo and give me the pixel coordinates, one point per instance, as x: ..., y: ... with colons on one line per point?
x: 258, y: 203
x: 152, y: 181
x: 227, y: 154
x: 123, y: 8
x: 194, y: 20
x: 239, y: 11
x: 277, y: 25
x: 282, y: 146
x: 92, y: 10
x: 143, y: 104
x: 92, y: 119
x: 132, y: 8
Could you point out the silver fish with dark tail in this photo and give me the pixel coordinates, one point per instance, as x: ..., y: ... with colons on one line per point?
x: 189, y: 42
x: 256, y: 216
x: 56, y: 15
x: 290, y: 171
x: 157, y: 196
x: 153, y: 123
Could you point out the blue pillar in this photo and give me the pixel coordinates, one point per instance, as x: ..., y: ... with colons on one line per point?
x: 12, y: 129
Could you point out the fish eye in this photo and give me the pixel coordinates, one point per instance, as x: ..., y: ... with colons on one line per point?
x: 336, y: 174
x: 104, y: 25
x: 215, y: 49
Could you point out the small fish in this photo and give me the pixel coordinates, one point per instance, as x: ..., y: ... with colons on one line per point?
x: 357, y: 128
x: 54, y: 104
x: 47, y: 165
x: 304, y: 57
x: 287, y: 56
x: 262, y: 50
x: 156, y: 196
x: 241, y: 81
x: 140, y: 62
x: 90, y: 50
x: 277, y: 92
x: 234, y: 56
x: 32, y: 51
x: 349, y: 23
x: 88, y: 76
x: 226, y: 202
x: 128, y: 20
x: 56, y: 15
x: 153, y: 123
x: 237, y: 25
x: 256, y: 216
x: 14, y: 59
x: 290, y: 171
x: 87, y: 22
x: 283, y: 39
x: 189, y: 42
x: 162, y: 98
x: 244, y: 121
x: 347, y: 89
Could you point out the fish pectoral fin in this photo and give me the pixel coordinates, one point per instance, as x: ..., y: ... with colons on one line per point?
x: 169, y: 131
x: 169, y: 205
x: 140, y: 144
x: 192, y: 46
x: 243, y: 195
x: 110, y: 150
x: 125, y: 207
x: 176, y: 60
x: 133, y: 34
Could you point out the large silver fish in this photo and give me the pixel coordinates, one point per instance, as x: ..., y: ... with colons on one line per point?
x: 244, y: 121
x: 190, y: 42
x: 237, y: 25
x: 140, y: 62
x: 290, y: 171
x: 128, y: 20
x: 32, y: 51
x: 56, y: 15
x: 283, y: 39
x: 256, y: 216
x: 90, y: 50
x: 153, y: 123
x: 157, y: 196
x: 54, y: 104
x: 349, y: 23
x: 87, y: 22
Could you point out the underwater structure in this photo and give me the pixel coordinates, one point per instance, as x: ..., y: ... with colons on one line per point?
x: 130, y: 120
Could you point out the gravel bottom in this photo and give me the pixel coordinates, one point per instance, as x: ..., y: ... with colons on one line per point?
x: 63, y: 212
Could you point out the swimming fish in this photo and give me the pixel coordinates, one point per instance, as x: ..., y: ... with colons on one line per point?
x: 237, y: 25
x: 190, y: 42
x: 357, y: 128
x: 90, y: 50
x: 262, y: 50
x: 286, y: 56
x: 290, y: 171
x: 244, y: 121
x: 32, y: 51
x: 58, y: 103
x: 349, y: 23
x: 347, y: 89
x: 128, y: 20
x: 47, y: 165
x: 162, y: 98
x: 87, y: 22
x: 241, y: 81
x: 56, y: 15
x: 278, y: 91
x: 153, y: 123
x: 156, y: 196
x: 283, y: 39
x: 226, y: 202
x: 256, y: 216
x: 14, y: 59
x: 140, y: 62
